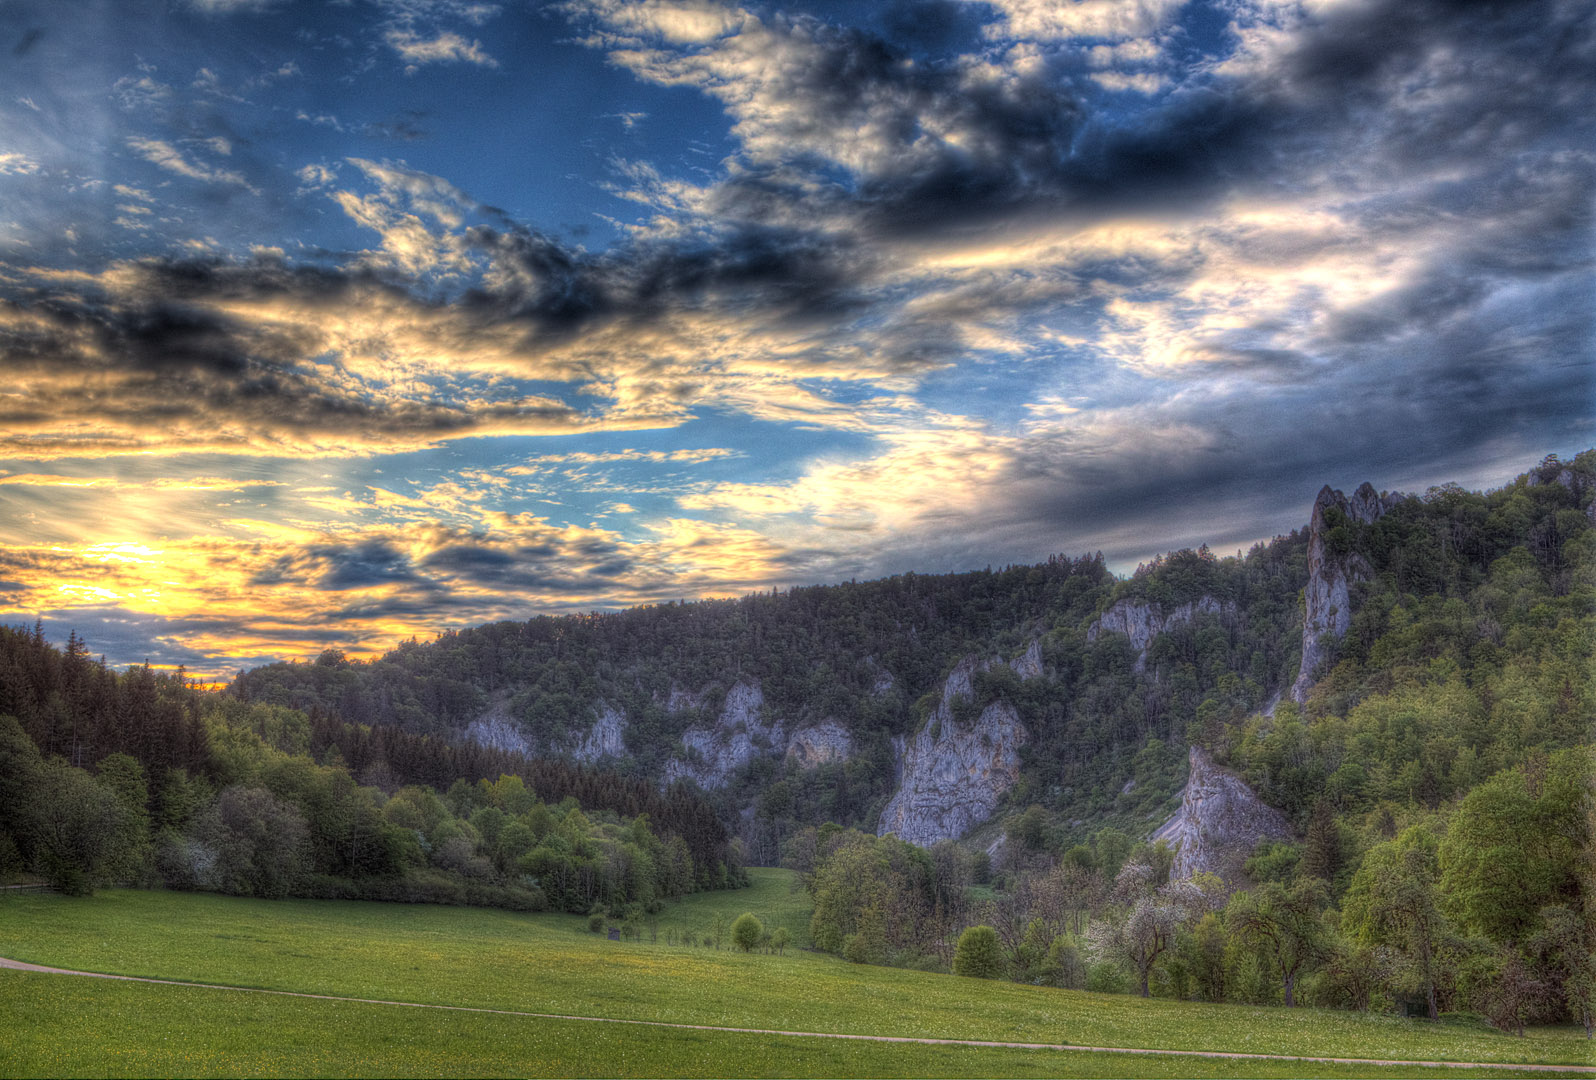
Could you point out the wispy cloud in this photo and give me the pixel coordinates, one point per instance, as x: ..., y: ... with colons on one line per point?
x: 164, y: 154
x: 443, y: 47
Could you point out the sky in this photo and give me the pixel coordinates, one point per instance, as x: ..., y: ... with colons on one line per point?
x: 337, y: 323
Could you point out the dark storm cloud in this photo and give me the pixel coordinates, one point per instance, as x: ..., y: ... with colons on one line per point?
x: 374, y: 562
x: 785, y: 274
x: 582, y: 567
x: 177, y: 354
x: 1415, y: 82
x: 793, y: 246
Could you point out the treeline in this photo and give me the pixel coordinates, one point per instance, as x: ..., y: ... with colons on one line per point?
x: 1483, y: 909
x: 139, y: 778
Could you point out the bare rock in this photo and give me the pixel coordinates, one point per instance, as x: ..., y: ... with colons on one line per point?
x: 1327, y: 598
x: 1219, y: 823
x: 607, y: 737
x: 1029, y: 664
x: 1144, y: 620
x: 953, y: 774
x: 496, y: 730
x: 713, y: 754
x: 823, y: 744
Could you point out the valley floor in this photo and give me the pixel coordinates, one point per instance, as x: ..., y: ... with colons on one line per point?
x: 484, y: 972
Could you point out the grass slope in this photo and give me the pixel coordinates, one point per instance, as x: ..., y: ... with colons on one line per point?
x: 55, y: 1026
x: 550, y: 963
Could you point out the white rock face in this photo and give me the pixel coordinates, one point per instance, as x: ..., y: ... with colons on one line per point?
x: 715, y: 753
x: 1327, y: 599
x: 495, y: 730
x: 953, y: 775
x: 1142, y: 621
x: 1219, y: 823
x: 1029, y: 665
x: 607, y: 737
x: 822, y: 744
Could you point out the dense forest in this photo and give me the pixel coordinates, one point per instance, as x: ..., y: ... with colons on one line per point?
x: 869, y: 656
x: 1437, y: 775
x: 141, y: 778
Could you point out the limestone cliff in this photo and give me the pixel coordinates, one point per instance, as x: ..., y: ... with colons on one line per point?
x: 1327, y: 598
x: 713, y: 754
x: 1028, y: 665
x: 823, y: 744
x: 1144, y: 620
x: 497, y: 729
x: 607, y: 737
x: 1219, y: 823
x: 953, y: 773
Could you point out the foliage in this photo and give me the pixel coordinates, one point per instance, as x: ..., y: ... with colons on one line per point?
x: 746, y: 930
x: 1438, y: 774
x: 1283, y: 925
x: 1394, y: 902
x: 978, y: 954
x: 206, y: 792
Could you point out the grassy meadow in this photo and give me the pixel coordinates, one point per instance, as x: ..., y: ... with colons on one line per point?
x: 551, y: 963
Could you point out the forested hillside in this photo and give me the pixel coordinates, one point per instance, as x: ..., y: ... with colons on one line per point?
x: 141, y: 778
x: 1405, y: 684
x: 868, y: 656
x: 1487, y: 583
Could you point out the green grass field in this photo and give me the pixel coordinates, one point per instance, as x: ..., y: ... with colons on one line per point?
x: 550, y: 963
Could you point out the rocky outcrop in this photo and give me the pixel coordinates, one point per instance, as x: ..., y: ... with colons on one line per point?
x: 497, y: 730
x: 1028, y: 665
x: 823, y: 744
x: 1327, y: 598
x: 607, y: 737
x: 1144, y: 620
x: 1219, y: 823
x: 952, y: 773
x: 713, y: 754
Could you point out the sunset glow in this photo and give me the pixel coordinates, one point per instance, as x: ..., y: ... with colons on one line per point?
x: 335, y: 324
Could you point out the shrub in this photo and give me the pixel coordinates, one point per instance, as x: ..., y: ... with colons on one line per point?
x: 978, y: 954
x: 747, y: 931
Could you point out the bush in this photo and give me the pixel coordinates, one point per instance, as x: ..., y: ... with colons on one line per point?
x: 747, y: 931
x: 978, y: 954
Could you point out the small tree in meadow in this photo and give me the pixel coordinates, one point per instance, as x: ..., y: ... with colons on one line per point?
x: 780, y: 939
x: 746, y: 931
x: 869, y: 944
x: 978, y: 954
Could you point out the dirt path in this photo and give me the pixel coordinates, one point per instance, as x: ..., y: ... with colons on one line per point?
x: 18, y: 965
